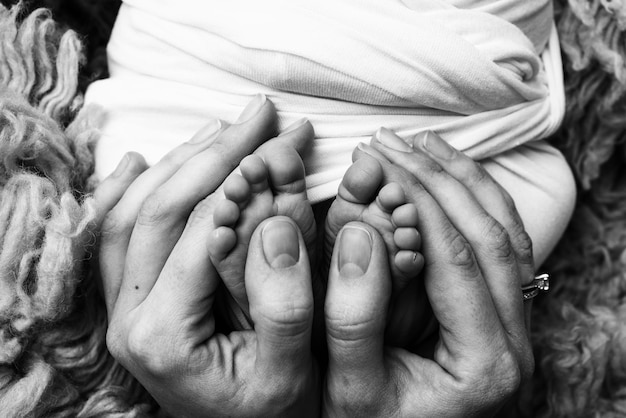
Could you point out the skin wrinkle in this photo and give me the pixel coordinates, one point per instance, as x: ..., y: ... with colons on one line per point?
x: 598, y: 330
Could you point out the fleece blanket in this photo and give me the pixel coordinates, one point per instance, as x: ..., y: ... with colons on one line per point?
x: 53, y: 359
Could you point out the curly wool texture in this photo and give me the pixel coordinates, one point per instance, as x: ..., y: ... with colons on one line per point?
x: 53, y: 359
x: 579, y: 328
x: 579, y: 335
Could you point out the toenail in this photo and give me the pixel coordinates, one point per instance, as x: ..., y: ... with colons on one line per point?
x: 281, y: 245
x: 355, y: 251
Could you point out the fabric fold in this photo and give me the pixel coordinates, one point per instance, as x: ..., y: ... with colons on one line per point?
x: 350, y: 67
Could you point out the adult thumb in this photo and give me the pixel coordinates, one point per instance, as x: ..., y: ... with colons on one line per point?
x: 357, y: 299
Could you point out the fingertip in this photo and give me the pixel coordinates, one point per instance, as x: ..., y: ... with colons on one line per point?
x: 363, y: 150
x: 111, y: 190
x: 132, y: 163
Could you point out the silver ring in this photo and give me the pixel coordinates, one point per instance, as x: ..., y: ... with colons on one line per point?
x: 540, y: 283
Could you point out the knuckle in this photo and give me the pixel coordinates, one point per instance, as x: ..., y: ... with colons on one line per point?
x: 115, y: 225
x: 523, y: 244
x: 288, y: 315
x: 497, y: 238
x: 349, y: 326
x: 460, y: 252
x: 154, y: 210
x: 477, y: 175
x: 434, y: 170
x: 203, y: 211
x: 143, y: 350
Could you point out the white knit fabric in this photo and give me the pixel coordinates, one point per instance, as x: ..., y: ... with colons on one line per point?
x: 486, y: 75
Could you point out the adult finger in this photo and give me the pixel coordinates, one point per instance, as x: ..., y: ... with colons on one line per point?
x: 487, y: 191
x: 164, y: 213
x: 459, y: 296
x: 110, y: 190
x: 192, y: 247
x: 118, y: 223
x: 499, y: 204
x: 488, y: 239
x: 357, y: 299
x: 106, y: 196
x: 278, y: 282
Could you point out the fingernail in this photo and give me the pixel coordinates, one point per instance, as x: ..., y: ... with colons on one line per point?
x: 355, y: 251
x: 365, y: 148
x: 297, y: 124
x: 372, y: 152
x: 206, y: 132
x: 280, y: 244
x: 252, y: 108
x: 435, y: 145
x: 121, y: 166
x: 391, y: 140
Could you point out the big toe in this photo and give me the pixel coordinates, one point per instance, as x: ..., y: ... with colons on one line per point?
x: 361, y: 181
x: 286, y: 170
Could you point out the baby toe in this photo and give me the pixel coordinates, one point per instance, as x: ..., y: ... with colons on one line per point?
x: 410, y: 263
x: 390, y: 197
x: 361, y: 181
x: 405, y: 216
x: 286, y: 170
x: 407, y: 239
x: 237, y: 189
x: 254, y: 170
x: 226, y: 213
x: 221, y: 241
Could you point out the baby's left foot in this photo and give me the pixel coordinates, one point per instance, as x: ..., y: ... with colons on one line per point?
x: 364, y: 197
x: 268, y: 186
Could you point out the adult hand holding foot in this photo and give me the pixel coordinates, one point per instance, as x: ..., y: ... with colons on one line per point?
x: 477, y: 257
x: 160, y: 284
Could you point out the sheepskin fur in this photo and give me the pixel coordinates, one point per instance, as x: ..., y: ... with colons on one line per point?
x: 53, y: 361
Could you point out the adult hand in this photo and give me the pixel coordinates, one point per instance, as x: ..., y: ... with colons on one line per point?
x: 160, y: 286
x: 477, y: 258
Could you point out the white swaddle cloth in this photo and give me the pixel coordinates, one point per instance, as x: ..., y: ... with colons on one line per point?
x: 486, y: 75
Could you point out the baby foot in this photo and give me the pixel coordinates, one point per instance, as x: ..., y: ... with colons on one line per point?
x: 270, y: 184
x: 361, y: 198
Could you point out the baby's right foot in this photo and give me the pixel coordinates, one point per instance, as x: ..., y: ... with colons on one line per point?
x: 361, y: 198
x: 270, y: 184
